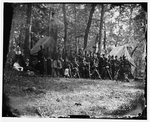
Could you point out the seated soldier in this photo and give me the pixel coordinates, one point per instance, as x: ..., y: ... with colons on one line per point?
x: 67, y: 68
x: 66, y: 73
x: 17, y: 66
x: 28, y: 65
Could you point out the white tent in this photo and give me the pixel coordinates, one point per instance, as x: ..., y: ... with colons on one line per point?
x: 46, y: 42
x: 120, y: 51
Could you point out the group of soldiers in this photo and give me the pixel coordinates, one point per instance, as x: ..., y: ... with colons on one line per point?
x: 88, y: 65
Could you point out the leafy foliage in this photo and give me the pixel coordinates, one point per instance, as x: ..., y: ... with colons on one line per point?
x: 122, y: 24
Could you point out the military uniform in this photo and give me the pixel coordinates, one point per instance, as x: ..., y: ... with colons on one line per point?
x: 49, y: 66
x: 112, y: 63
x: 41, y: 61
x: 95, y: 72
x: 100, y: 65
x: 121, y: 70
x: 104, y: 64
x: 116, y: 70
x: 126, y: 69
x: 83, y: 68
x: 75, y: 69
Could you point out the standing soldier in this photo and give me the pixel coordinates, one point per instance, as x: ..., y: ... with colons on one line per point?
x: 41, y: 60
x: 103, y: 67
x: 109, y: 65
x: 121, y: 66
x: 49, y: 65
x: 112, y: 67
x: 45, y: 61
x: 62, y: 62
x: 55, y: 69
x: 100, y: 64
x: 126, y: 69
x: 95, y: 72
x: 80, y: 55
x: 83, y: 68
x: 88, y: 60
x: 59, y: 67
x: 75, y: 69
x: 107, y: 68
x: 71, y: 56
x: 116, y: 64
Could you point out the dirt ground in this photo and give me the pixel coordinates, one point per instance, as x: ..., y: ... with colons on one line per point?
x: 35, y: 96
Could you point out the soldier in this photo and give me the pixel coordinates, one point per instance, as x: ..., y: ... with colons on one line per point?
x: 75, y: 69
x: 71, y: 56
x: 112, y: 63
x: 107, y: 69
x: 100, y: 63
x: 41, y: 60
x: 126, y: 69
x: 88, y: 67
x: 62, y: 62
x: 49, y: 65
x: 83, y: 68
x: 45, y: 61
x: 80, y: 55
x: 95, y: 72
x: 116, y: 64
x: 67, y: 67
x: 28, y: 65
x: 121, y: 66
x: 109, y: 65
x: 103, y: 74
x: 55, y: 72
x: 59, y: 67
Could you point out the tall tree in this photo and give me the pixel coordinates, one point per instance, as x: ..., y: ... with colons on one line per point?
x: 50, y: 14
x: 104, y: 43
x: 101, y: 27
x: 27, y: 44
x: 75, y: 17
x: 65, y: 23
x: 89, y: 25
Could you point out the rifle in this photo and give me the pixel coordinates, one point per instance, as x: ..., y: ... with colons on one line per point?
x: 108, y: 72
x: 116, y: 76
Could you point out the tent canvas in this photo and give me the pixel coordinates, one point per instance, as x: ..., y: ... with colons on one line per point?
x: 120, y: 51
x: 45, y: 42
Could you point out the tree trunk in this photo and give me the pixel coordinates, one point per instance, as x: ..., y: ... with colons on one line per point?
x: 65, y: 30
x: 27, y: 44
x: 89, y: 25
x: 75, y: 17
x: 130, y: 24
x: 49, y: 28
x: 101, y: 27
x: 104, y: 41
x: 119, y: 28
x: 95, y: 46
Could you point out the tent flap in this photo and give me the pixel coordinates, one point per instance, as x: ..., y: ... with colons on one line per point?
x: 120, y: 51
x: 45, y: 42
